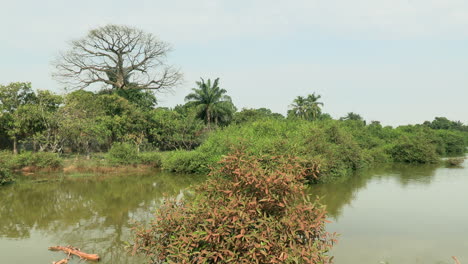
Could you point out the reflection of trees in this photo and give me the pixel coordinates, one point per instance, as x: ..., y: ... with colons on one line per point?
x: 336, y: 195
x: 90, y: 212
x: 414, y: 174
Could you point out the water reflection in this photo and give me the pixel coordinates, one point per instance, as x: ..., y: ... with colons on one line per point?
x: 337, y: 195
x: 399, y: 214
x: 94, y: 213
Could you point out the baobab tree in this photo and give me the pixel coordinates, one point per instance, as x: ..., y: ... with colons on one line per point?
x: 120, y: 57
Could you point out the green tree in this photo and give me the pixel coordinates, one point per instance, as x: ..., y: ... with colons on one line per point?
x: 144, y: 99
x: 82, y: 125
x: 353, y: 117
x: 12, y: 97
x: 175, y: 129
x: 248, y: 115
x: 211, y: 102
x: 308, y: 108
x: 41, y: 120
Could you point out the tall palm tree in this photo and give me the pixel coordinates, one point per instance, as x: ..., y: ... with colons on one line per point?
x: 308, y: 108
x: 211, y: 102
x: 314, y: 105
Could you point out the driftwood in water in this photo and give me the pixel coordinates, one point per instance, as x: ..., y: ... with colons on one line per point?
x: 75, y: 251
x: 63, y: 261
x: 456, y: 260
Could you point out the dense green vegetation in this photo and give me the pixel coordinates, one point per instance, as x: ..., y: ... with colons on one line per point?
x: 338, y: 147
x: 42, y: 126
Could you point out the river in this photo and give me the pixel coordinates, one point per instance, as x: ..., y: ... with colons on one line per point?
x: 395, y: 214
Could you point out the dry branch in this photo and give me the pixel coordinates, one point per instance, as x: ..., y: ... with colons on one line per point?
x: 63, y: 261
x: 74, y: 251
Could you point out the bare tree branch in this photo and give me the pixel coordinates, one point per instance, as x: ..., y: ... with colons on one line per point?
x: 120, y: 57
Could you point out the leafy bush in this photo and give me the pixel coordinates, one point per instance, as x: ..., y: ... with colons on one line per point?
x: 5, y: 176
x: 41, y: 160
x: 182, y: 161
x: 151, y: 158
x: 414, y: 149
x: 452, y: 142
x: 252, y: 210
x: 123, y: 154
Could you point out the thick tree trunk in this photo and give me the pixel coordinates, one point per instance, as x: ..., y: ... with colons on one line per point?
x: 208, y: 117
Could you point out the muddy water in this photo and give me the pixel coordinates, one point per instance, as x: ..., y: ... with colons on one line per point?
x: 400, y: 214
x: 93, y: 213
x: 394, y: 214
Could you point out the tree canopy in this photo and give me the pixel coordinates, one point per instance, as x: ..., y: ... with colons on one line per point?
x: 308, y: 108
x: 211, y: 102
x: 120, y: 57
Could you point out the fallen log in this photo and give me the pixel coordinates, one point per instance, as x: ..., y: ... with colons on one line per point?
x: 63, y: 261
x: 75, y: 251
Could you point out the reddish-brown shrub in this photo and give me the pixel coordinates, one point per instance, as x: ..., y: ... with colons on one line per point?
x: 251, y: 210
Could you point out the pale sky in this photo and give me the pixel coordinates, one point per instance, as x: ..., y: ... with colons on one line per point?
x: 397, y: 61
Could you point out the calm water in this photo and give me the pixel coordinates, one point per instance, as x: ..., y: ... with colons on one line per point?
x: 94, y: 214
x: 396, y: 214
x: 401, y: 215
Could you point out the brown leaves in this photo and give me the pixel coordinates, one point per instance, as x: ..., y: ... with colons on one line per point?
x: 252, y: 210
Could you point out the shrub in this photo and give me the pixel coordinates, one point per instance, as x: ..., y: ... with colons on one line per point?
x: 182, y: 161
x: 455, y: 162
x: 5, y: 176
x: 40, y: 160
x: 252, y: 210
x: 452, y: 142
x: 414, y: 149
x: 123, y: 154
x: 151, y: 158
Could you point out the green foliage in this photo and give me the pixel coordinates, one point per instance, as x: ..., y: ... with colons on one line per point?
x: 182, y: 161
x: 307, y: 108
x: 5, y: 176
x: 38, y: 160
x: 414, y: 149
x: 211, y: 102
x: 249, y: 115
x: 12, y: 97
x: 325, y: 143
x: 252, y: 210
x: 171, y: 130
x: 337, y: 147
x: 151, y: 158
x: 353, y: 117
x: 123, y: 154
x: 144, y: 99
x: 452, y: 142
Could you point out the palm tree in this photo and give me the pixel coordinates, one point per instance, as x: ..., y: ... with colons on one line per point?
x: 307, y: 107
x: 211, y: 102
x: 354, y: 117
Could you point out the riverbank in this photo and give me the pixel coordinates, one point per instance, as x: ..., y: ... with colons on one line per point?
x: 29, y: 163
x: 337, y: 147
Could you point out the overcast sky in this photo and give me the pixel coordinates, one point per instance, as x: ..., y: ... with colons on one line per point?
x: 397, y: 61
